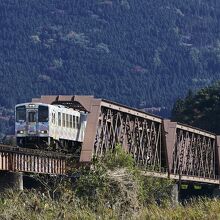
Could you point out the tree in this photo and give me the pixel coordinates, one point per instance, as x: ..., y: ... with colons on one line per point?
x: 201, y: 109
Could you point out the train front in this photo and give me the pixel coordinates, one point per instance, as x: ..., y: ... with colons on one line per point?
x: 32, y: 124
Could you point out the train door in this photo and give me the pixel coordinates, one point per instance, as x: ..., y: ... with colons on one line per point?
x: 32, y: 121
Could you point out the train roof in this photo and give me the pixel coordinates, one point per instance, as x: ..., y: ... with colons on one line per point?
x: 71, y: 104
x: 39, y: 103
x: 75, y: 106
x: 31, y: 103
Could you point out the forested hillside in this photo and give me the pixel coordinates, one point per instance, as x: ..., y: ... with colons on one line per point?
x: 141, y: 53
x: 201, y: 109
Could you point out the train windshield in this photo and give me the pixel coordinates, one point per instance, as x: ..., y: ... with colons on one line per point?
x: 43, y: 113
x: 21, y: 114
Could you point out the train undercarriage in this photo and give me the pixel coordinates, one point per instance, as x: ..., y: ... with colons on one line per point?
x: 48, y: 143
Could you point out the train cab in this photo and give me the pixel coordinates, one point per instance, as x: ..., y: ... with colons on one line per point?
x: 32, y: 122
x: 39, y: 124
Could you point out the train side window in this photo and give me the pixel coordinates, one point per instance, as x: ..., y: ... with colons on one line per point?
x: 43, y: 113
x: 59, y: 119
x: 71, y: 121
x: 78, y: 122
x: 74, y: 121
x: 64, y: 119
x: 67, y: 121
x: 53, y: 118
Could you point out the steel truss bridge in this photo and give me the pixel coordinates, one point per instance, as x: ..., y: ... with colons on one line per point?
x: 161, y: 147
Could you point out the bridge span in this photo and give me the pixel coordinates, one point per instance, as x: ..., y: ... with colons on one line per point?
x: 161, y: 147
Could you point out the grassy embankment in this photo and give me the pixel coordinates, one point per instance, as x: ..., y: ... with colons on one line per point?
x: 113, y: 189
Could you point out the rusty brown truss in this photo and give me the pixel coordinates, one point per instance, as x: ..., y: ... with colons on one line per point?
x: 31, y: 161
x: 162, y: 147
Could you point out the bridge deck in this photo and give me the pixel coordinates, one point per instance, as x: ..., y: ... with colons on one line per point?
x: 182, y: 177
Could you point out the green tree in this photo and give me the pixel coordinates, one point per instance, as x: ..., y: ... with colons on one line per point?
x: 201, y: 109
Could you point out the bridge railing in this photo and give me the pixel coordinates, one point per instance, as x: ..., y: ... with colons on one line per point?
x: 28, y: 160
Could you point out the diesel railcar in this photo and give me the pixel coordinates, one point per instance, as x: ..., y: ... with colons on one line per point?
x: 41, y: 125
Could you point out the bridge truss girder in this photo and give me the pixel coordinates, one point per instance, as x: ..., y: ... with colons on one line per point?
x: 156, y: 144
x: 139, y: 136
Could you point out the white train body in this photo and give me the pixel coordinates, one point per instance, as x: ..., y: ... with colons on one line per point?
x: 35, y: 121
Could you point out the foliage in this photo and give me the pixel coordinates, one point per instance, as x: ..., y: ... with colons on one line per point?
x: 91, y: 182
x: 114, y: 180
x: 117, y: 158
x: 34, y: 205
x: 156, y: 190
x: 199, y: 209
x: 131, y: 51
x: 53, y: 186
x: 201, y: 109
x: 139, y: 53
x: 108, y: 181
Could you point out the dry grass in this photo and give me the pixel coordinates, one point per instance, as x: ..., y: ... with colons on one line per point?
x: 33, y: 205
x: 197, y: 210
x: 113, y: 189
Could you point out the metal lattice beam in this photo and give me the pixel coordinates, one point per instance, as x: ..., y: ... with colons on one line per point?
x: 194, y: 154
x: 139, y: 136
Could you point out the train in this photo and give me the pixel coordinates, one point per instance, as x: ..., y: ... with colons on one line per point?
x: 39, y: 125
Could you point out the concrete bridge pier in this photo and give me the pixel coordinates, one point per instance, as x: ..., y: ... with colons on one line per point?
x: 175, y: 193
x: 11, y: 180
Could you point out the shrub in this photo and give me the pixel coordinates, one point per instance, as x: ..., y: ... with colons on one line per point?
x: 115, y: 181
x: 118, y: 158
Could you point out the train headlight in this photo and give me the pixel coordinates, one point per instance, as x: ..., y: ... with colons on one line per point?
x: 20, y: 132
x: 43, y: 132
x: 31, y: 105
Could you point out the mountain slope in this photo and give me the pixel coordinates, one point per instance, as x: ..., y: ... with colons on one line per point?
x: 140, y: 53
